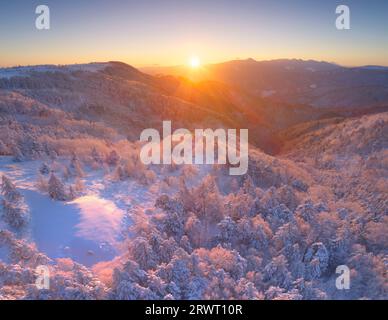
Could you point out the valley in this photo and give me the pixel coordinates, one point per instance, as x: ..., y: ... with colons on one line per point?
x: 77, y: 198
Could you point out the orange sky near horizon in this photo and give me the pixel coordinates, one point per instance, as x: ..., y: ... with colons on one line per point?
x: 169, y: 32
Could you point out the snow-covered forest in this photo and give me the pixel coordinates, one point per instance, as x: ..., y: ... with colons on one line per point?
x: 75, y: 196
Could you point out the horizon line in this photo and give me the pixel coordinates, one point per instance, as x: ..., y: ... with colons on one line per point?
x: 144, y: 66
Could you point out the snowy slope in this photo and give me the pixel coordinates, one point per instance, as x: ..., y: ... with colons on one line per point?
x: 26, y: 71
x: 88, y: 229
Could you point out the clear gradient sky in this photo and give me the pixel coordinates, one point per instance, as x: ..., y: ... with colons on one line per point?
x: 168, y: 32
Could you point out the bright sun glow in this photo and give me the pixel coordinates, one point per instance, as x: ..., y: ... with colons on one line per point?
x: 194, y: 62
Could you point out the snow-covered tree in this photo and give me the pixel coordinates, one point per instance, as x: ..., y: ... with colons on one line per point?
x: 15, y: 211
x: 316, y: 260
x: 97, y: 157
x: 143, y: 254
x: 75, y: 167
x: 112, y: 158
x: 15, y: 214
x: 9, y: 191
x: 56, y: 189
x: 276, y: 273
x: 44, y: 169
x: 227, y: 230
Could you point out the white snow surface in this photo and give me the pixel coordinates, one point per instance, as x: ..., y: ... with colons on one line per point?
x: 89, y: 229
x: 28, y: 70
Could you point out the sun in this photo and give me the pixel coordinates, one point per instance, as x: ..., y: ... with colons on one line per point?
x: 194, y: 62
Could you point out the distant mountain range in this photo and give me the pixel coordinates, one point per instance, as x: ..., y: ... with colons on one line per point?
x: 314, y: 83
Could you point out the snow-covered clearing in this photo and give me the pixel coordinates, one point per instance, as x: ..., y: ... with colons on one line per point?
x: 89, y: 229
x: 86, y: 230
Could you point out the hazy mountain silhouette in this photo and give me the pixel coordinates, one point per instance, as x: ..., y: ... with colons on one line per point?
x: 319, y: 84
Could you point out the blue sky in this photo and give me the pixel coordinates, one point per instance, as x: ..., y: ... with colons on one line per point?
x: 168, y: 32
